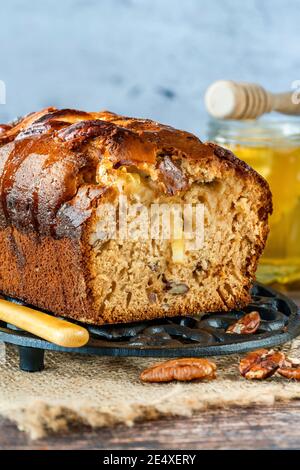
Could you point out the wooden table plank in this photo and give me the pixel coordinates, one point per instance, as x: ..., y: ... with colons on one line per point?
x: 256, y: 427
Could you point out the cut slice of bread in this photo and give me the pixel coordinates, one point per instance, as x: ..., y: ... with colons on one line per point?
x: 109, y: 219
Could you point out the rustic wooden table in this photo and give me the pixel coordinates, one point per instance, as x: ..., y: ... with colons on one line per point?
x: 257, y: 427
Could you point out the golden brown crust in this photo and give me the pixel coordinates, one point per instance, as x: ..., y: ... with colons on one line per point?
x: 44, y: 156
x: 49, y: 273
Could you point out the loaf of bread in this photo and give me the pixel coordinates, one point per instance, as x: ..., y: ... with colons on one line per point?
x: 68, y: 177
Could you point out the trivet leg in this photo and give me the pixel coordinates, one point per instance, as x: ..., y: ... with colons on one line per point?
x: 31, y: 359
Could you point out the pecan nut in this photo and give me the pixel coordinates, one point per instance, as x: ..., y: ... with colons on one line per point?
x: 290, y: 369
x: 176, y: 288
x: 261, y: 364
x: 172, y: 176
x: 246, y: 325
x: 184, y: 369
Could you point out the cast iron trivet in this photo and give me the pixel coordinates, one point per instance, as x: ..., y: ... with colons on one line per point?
x: 173, y: 337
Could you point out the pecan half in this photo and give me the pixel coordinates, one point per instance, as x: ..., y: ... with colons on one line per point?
x: 290, y: 369
x: 261, y: 364
x: 176, y: 288
x: 246, y: 325
x: 172, y: 176
x: 184, y: 369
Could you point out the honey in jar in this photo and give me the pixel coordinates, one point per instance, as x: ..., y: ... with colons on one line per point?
x: 272, y: 147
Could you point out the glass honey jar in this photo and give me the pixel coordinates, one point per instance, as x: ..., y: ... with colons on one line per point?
x: 271, y: 146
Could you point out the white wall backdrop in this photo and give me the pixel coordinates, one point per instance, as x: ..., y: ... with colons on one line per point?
x: 150, y: 58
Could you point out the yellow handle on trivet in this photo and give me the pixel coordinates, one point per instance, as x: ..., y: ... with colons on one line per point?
x: 45, y: 326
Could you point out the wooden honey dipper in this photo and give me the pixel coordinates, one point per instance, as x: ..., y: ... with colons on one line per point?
x: 48, y: 327
x: 225, y: 99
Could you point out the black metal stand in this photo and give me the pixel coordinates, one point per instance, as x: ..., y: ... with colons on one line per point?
x: 31, y: 359
x: 191, y: 336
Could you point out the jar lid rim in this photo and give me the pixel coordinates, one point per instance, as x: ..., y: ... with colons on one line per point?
x: 266, y: 130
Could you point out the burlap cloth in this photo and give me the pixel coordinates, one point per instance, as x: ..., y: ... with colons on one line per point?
x: 105, y: 391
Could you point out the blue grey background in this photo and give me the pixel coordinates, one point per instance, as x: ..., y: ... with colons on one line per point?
x: 150, y: 58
